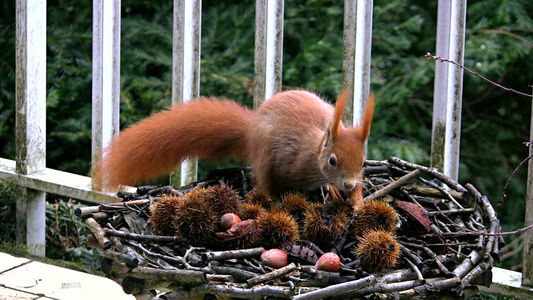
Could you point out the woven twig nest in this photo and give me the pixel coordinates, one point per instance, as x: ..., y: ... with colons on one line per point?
x: 447, y: 240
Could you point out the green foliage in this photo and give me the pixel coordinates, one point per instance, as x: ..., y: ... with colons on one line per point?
x: 7, y: 212
x: 66, y: 235
x: 65, y: 232
x: 499, y: 45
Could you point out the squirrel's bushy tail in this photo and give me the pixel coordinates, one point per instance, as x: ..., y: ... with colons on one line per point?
x: 205, y: 128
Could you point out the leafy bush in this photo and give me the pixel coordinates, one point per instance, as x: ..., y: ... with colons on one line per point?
x: 66, y: 235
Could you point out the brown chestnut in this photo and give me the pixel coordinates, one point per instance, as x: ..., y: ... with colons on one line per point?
x: 275, y: 258
x: 329, y: 261
x: 228, y: 220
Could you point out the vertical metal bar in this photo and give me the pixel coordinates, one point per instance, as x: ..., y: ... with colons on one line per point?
x: 348, y: 55
x: 268, y: 49
x: 106, y: 73
x: 441, y: 85
x: 527, y: 260
x: 455, y: 89
x: 31, y: 119
x: 186, y: 69
x: 363, y: 50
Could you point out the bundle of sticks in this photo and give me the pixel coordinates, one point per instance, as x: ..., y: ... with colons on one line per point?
x: 445, y: 239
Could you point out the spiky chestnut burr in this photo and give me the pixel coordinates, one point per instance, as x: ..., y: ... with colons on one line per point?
x: 195, y: 218
x: 162, y: 215
x: 277, y: 229
x: 314, y: 228
x: 295, y: 204
x: 256, y: 196
x: 377, y: 250
x: 336, y: 206
x: 374, y: 215
x: 321, y: 228
x: 224, y: 199
x: 251, y: 211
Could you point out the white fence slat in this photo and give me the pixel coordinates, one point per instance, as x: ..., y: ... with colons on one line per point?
x: 363, y: 50
x: 187, y: 16
x: 55, y: 182
x: 106, y: 73
x: 527, y: 260
x: 31, y: 119
x: 268, y: 49
x: 441, y: 85
x: 348, y: 56
x: 455, y: 89
x: 363, y: 47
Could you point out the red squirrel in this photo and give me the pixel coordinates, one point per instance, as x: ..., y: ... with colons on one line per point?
x: 293, y: 140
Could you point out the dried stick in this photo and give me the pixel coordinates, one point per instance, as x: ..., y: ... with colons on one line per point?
x: 442, y: 59
x: 473, y: 258
x: 183, y: 276
x: 431, y: 171
x: 258, y: 292
x: 383, y: 288
x: 414, y: 268
x: 130, y: 261
x: 238, y: 274
x: 91, y: 242
x: 451, y: 212
x: 85, y: 211
x: 411, y: 255
x: 98, y: 232
x: 431, y: 254
x: 272, y: 275
x: 339, y: 288
x: 145, y: 238
x: 478, y: 270
x: 223, y: 255
x: 170, y: 259
x: 430, y: 287
x: 393, y: 185
x: 432, y: 192
x: 124, y: 249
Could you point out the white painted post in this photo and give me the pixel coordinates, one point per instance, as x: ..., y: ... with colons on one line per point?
x: 186, y: 69
x: 441, y: 85
x: 106, y: 73
x: 527, y: 260
x: 31, y: 119
x: 268, y: 49
x: 363, y: 50
x: 348, y: 56
x: 454, y: 89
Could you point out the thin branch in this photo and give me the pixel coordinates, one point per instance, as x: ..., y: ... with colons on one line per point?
x: 442, y: 59
x: 501, y: 31
x: 503, y: 196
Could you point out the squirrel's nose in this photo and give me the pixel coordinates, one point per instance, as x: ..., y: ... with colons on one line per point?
x: 348, y: 186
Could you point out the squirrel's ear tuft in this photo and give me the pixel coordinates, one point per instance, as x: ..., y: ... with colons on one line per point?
x: 363, y: 129
x: 335, y: 125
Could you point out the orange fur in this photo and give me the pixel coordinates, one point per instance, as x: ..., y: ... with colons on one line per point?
x: 205, y: 128
x: 288, y: 142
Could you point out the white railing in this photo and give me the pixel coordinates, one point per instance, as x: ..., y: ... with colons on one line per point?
x: 29, y: 171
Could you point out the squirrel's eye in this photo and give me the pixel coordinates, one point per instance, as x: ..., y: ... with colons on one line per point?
x: 332, y: 160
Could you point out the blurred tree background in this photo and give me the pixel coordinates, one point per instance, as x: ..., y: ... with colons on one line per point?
x: 499, y: 45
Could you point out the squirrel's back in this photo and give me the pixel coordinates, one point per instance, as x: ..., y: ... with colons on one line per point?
x: 285, y: 138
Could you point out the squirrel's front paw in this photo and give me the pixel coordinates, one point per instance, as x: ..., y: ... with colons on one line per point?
x: 334, y: 191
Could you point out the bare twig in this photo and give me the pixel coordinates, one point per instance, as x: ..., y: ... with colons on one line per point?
x: 394, y: 185
x: 503, y: 196
x: 442, y: 59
